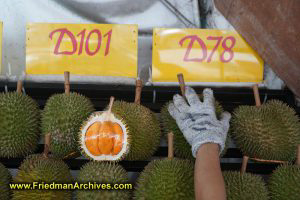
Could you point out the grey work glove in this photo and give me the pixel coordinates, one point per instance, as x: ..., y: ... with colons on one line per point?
x: 197, y: 120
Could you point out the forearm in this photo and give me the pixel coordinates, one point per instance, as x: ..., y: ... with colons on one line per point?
x: 209, y: 182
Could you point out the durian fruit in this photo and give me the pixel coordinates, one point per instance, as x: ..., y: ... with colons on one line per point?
x: 5, y: 179
x: 19, y: 125
x: 244, y: 186
x: 105, y: 173
x: 181, y: 147
x: 269, y: 132
x: 104, y: 136
x: 125, y: 130
x: 37, y: 168
x: 143, y: 129
x: 166, y: 179
x: 284, y: 183
x: 62, y: 118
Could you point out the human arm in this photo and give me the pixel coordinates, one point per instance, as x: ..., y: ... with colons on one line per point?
x: 209, y: 183
x: 206, y: 134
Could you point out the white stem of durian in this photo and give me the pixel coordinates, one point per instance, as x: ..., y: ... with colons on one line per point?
x: 108, y: 112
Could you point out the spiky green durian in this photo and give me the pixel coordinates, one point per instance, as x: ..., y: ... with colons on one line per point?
x: 5, y: 179
x: 284, y: 183
x: 62, y: 118
x: 271, y: 131
x: 143, y: 129
x: 19, y: 125
x: 182, y: 148
x: 166, y: 179
x: 244, y: 186
x: 37, y: 168
x: 105, y: 173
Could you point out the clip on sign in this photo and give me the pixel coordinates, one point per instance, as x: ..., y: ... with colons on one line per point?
x: 82, y: 49
x: 204, y: 55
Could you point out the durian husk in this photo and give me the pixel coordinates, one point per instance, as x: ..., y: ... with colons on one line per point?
x: 37, y: 168
x: 244, y: 186
x: 284, y: 183
x: 19, y: 125
x: 103, y: 172
x: 143, y: 129
x: 5, y: 179
x: 270, y: 133
x: 181, y: 147
x: 166, y: 179
x: 62, y: 118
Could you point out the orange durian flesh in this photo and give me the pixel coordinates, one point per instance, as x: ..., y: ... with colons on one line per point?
x: 119, y: 142
x: 104, y: 138
x: 91, y: 141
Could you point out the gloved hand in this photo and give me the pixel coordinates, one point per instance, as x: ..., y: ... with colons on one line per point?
x: 197, y: 120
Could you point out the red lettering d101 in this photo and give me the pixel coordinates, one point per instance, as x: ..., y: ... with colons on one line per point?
x: 65, y: 32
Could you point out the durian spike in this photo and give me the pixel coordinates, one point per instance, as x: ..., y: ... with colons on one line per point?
x: 257, y: 103
x: 298, y: 156
x: 138, y: 91
x: 19, y: 87
x: 47, y: 145
x: 67, y: 82
x: 170, y: 145
x: 181, y: 84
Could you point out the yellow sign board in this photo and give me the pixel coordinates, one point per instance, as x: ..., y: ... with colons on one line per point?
x: 1, y: 29
x: 82, y: 49
x: 204, y: 55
